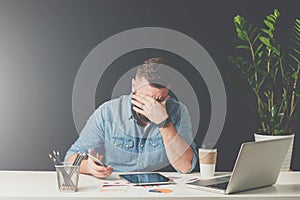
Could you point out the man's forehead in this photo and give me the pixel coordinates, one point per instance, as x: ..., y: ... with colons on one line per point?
x: 152, y: 91
x: 142, y: 81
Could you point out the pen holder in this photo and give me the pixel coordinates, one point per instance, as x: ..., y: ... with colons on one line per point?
x: 67, y: 177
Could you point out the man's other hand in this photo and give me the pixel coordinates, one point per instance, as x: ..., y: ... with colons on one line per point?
x: 97, y: 170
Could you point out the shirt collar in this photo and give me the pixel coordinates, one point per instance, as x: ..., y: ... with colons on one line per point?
x: 129, y: 104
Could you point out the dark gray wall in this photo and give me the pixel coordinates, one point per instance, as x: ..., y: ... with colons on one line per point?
x: 42, y: 44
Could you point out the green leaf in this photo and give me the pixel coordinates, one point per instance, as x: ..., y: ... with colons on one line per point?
x: 258, y: 35
x: 269, y: 24
x: 242, y: 35
x: 249, y: 29
x: 273, y: 17
x: 297, y: 22
x: 296, y: 50
x: 260, y: 112
x: 297, y: 32
x: 258, y: 62
x: 296, y: 59
x: 252, y: 32
x: 280, y: 116
x: 260, y: 84
x: 295, y: 75
x: 276, y: 13
x: 278, y: 132
x: 276, y: 51
x: 265, y: 41
x: 273, y: 111
x: 258, y: 49
x: 295, y: 42
x: 243, y: 47
x: 260, y: 54
x: 270, y: 18
x: 296, y: 37
x: 265, y: 105
x: 266, y: 94
x: 239, y: 21
x: 270, y: 34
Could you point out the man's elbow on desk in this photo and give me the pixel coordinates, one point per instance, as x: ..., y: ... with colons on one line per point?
x: 184, y: 166
x: 186, y: 170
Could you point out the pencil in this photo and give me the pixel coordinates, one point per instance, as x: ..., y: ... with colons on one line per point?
x: 76, y: 159
x: 58, y: 156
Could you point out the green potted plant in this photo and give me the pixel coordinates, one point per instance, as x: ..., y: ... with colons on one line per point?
x: 271, y: 72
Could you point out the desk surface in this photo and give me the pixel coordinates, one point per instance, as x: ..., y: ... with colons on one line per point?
x: 43, y: 185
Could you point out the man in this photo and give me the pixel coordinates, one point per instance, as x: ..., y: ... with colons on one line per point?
x: 143, y: 131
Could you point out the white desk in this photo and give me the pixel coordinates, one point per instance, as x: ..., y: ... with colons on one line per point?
x: 43, y: 185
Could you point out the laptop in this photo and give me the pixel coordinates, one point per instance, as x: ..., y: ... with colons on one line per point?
x: 258, y: 165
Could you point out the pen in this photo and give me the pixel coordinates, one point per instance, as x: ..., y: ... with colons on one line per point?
x: 80, y: 157
x: 107, y: 185
x: 52, y: 160
x: 56, y: 157
x: 161, y: 190
x: 156, y: 191
x: 76, y: 159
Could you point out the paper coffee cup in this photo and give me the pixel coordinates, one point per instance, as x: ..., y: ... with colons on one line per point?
x: 207, y: 160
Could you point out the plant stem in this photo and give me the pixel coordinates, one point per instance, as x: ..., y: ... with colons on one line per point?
x: 283, y: 101
x: 254, y: 61
x: 284, y: 96
x: 293, y: 105
x: 256, y: 90
x: 268, y: 71
x: 274, y: 81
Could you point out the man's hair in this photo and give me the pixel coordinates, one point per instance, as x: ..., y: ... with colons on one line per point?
x: 156, y: 71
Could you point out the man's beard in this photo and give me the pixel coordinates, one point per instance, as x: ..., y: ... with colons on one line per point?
x: 142, y: 120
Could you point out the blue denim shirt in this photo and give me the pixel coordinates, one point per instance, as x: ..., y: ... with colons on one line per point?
x: 113, y: 132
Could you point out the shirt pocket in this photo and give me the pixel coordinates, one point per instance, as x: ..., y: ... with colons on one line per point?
x: 156, y: 144
x: 123, y: 148
x: 123, y: 143
x: 157, y: 157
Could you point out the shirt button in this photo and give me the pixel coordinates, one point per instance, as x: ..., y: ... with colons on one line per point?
x: 115, y: 144
x: 141, y: 163
x: 142, y: 145
x: 127, y: 145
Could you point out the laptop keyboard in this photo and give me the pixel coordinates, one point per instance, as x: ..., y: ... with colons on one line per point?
x: 221, y: 186
x: 219, y: 183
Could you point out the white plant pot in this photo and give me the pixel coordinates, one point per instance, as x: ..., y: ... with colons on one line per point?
x: 286, y: 166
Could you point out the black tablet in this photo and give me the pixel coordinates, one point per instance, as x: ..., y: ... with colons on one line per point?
x: 146, y: 179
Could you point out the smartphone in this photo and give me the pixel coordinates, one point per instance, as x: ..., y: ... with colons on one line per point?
x: 96, y: 160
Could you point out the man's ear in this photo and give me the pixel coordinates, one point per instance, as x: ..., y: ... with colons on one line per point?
x: 133, y: 84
